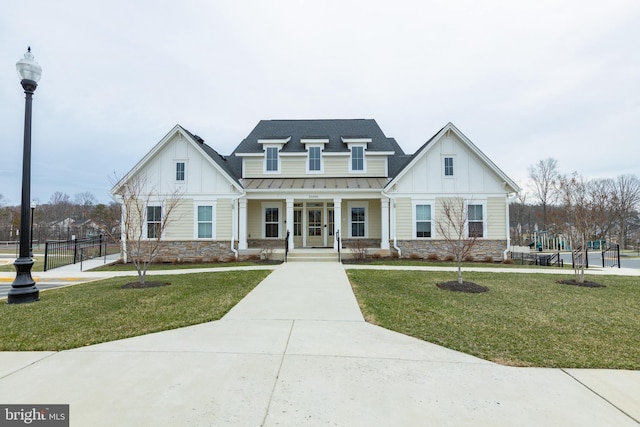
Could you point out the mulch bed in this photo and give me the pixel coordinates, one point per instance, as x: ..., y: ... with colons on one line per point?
x: 585, y: 284
x: 146, y: 284
x: 468, y: 287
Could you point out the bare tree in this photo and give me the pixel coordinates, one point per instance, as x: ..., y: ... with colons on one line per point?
x: 454, y: 228
x: 145, y: 217
x: 584, y: 210
x: 626, y: 202
x: 544, y: 175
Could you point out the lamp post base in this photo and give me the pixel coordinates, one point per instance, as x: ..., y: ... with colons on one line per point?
x: 23, y: 289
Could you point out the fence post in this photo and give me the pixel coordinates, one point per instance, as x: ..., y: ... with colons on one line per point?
x: 46, y: 255
x: 75, y: 250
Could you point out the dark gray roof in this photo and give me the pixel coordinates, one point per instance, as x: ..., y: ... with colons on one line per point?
x: 334, y: 130
x: 222, y: 161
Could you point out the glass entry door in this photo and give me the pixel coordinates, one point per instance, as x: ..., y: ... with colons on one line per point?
x: 315, y: 226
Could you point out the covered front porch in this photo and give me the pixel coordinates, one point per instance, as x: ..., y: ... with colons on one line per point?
x: 313, y: 214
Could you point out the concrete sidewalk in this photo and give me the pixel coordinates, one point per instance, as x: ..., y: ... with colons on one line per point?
x: 297, y: 352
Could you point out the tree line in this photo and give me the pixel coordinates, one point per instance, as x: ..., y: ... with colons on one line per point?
x: 62, y: 218
x: 557, y: 208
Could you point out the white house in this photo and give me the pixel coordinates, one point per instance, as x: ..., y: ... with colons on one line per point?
x: 321, y: 182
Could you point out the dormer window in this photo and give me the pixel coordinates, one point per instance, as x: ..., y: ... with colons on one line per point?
x: 357, y: 158
x: 315, y: 159
x: 271, y: 159
x: 357, y: 147
x: 272, y: 149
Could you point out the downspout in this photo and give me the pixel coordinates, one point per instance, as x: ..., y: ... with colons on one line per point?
x: 236, y: 222
x: 508, y: 201
x: 393, y: 222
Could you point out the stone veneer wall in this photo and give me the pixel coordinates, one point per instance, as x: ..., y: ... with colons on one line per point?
x: 194, y: 251
x: 481, y: 250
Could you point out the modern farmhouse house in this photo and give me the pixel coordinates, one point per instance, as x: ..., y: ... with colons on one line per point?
x: 320, y: 182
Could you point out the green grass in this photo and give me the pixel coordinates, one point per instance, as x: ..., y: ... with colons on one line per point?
x: 524, y: 319
x: 38, y: 266
x: 102, y: 311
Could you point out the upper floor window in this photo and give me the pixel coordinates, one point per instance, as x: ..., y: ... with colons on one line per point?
x: 448, y: 166
x: 357, y: 158
x: 315, y: 159
x: 154, y: 221
x: 475, y: 221
x: 423, y: 220
x: 180, y: 171
x: 271, y: 159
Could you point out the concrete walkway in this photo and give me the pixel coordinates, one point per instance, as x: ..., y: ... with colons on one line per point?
x: 297, y: 352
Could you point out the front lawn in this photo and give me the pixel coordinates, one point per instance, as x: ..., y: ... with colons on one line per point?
x: 101, y: 311
x: 524, y: 319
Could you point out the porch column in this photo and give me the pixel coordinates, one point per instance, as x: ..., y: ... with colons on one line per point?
x: 384, y: 203
x: 242, y: 224
x: 337, y: 222
x: 289, y: 220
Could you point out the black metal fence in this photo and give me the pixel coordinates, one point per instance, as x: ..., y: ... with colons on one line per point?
x: 611, y: 256
x: 58, y: 253
x: 534, y: 258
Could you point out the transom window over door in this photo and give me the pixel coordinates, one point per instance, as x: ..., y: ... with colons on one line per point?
x: 154, y: 221
x: 475, y: 221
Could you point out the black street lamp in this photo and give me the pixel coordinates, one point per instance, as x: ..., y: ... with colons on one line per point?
x: 23, y: 289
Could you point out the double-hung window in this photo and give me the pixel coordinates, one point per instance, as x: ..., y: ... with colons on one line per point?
x: 423, y: 220
x: 315, y: 159
x: 271, y: 222
x: 357, y: 158
x: 475, y: 220
x: 448, y: 166
x: 154, y: 221
x: 205, y: 222
x: 271, y: 161
x: 180, y: 171
x: 358, y: 221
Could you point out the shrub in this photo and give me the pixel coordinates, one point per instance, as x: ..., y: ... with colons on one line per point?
x: 468, y: 258
x: 433, y: 257
x: 266, y: 253
x: 450, y: 258
x: 414, y: 255
x: 358, y: 249
x: 488, y: 259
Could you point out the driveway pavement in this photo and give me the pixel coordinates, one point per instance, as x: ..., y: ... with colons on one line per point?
x: 297, y: 352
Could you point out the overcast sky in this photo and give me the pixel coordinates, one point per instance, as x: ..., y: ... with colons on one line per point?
x: 524, y: 80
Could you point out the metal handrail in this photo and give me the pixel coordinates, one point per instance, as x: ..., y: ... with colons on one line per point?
x: 286, y: 246
x: 338, y: 240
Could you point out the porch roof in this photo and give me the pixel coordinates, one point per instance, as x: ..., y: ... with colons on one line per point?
x: 315, y: 183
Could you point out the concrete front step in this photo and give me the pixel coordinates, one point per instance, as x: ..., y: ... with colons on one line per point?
x: 312, y: 255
